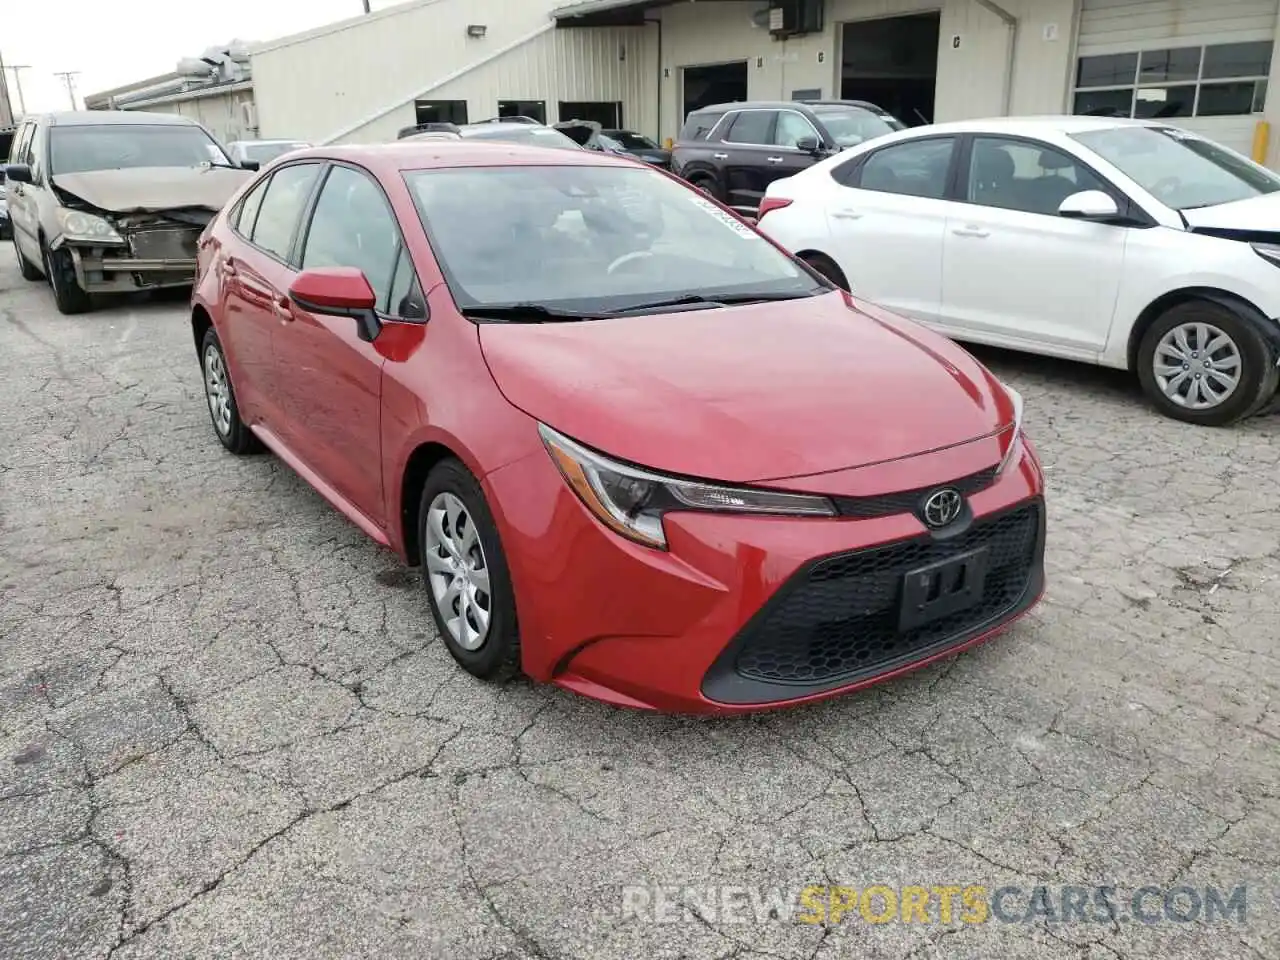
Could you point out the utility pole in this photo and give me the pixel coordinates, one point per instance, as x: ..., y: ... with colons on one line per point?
x: 68, y: 77
x: 17, y: 69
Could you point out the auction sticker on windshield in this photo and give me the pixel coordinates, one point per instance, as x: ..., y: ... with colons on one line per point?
x: 728, y: 219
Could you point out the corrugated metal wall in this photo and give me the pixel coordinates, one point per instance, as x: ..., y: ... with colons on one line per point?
x: 221, y: 114
x: 318, y: 84
x: 1120, y: 26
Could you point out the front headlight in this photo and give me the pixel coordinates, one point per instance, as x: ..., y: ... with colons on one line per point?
x: 1015, y: 441
x: 87, y: 227
x: 632, y: 502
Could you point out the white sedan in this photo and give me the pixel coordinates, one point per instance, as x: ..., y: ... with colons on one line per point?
x: 1125, y: 243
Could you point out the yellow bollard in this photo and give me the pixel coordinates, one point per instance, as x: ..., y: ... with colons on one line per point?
x: 1261, y: 137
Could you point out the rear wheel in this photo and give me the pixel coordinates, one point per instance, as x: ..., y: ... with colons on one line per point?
x: 706, y: 183
x: 28, y: 269
x: 1202, y: 363
x: 466, y: 576
x: 827, y: 267
x: 221, y: 398
x: 67, y: 292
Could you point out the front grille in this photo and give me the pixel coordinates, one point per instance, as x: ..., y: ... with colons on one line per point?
x: 164, y: 243
x: 838, y: 620
x: 909, y: 501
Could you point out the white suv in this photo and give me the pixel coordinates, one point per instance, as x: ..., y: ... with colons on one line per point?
x: 1129, y: 244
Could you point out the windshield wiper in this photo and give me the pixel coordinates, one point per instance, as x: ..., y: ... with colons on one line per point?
x: 526, y: 313
x: 726, y: 300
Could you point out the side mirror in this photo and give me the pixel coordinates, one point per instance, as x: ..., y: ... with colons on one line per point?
x: 808, y: 145
x: 250, y: 165
x: 18, y: 173
x: 338, y: 292
x: 1089, y: 205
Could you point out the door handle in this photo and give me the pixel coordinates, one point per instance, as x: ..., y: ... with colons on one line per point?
x: 281, y: 306
x: 772, y: 159
x: 719, y: 156
x: 229, y: 269
x: 846, y: 214
x: 971, y: 232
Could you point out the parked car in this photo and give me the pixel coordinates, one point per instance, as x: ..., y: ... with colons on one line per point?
x: 510, y: 131
x: 636, y: 145
x: 1130, y: 244
x: 104, y: 201
x: 733, y: 151
x: 722, y: 528
x: 262, y: 152
x: 590, y: 135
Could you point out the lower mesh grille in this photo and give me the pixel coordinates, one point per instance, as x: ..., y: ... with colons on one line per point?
x: 838, y: 620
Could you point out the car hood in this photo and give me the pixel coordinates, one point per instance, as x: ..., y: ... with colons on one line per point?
x: 752, y: 393
x: 150, y: 189
x: 1257, y: 213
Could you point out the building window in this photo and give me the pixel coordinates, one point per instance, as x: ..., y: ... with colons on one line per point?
x: 440, y: 111
x: 533, y: 109
x: 1223, y: 80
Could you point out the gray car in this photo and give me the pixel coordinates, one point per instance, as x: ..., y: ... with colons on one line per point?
x: 110, y: 201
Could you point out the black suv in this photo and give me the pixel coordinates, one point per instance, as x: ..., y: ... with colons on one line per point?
x: 733, y: 151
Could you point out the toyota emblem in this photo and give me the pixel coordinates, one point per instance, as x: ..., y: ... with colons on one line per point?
x: 942, y: 507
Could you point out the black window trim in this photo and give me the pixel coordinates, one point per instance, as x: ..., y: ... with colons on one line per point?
x: 304, y: 231
x: 1131, y: 212
x: 237, y: 212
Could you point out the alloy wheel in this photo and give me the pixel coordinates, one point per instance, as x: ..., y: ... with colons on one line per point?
x: 1197, y: 366
x: 217, y: 390
x: 457, y: 571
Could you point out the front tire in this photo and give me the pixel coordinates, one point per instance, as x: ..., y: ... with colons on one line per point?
x: 705, y: 183
x: 1202, y: 363
x: 67, y: 292
x: 466, y: 575
x: 220, y: 397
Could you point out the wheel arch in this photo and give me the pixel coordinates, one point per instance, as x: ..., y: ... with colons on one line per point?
x: 808, y: 252
x: 201, y: 322
x: 1237, y: 304
x: 419, y: 464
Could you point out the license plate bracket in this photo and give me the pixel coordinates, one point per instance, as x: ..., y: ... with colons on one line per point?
x: 943, y: 588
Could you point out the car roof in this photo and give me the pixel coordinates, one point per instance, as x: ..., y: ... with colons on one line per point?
x: 403, y: 155
x: 1037, y: 126
x: 784, y: 104
x: 100, y: 118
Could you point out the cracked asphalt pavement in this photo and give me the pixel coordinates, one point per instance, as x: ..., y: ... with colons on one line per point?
x: 227, y: 728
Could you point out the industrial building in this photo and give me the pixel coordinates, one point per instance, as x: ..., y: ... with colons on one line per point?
x: 214, y: 89
x: 644, y: 64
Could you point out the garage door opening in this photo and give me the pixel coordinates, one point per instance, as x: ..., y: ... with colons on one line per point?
x: 893, y: 62
x: 713, y: 83
x: 606, y: 113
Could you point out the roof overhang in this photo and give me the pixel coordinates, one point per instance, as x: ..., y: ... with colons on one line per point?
x: 611, y: 13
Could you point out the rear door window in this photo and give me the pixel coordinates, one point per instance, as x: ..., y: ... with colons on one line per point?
x: 282, y: 207
x: 752, y: 127
x: 699, y: 125
x: 917, y: 168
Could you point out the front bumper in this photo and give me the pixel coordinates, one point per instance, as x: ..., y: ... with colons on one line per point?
x: 108, y: 270
x: 728, y: 619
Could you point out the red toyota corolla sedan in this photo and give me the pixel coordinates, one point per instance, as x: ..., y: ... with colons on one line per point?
x: 636, y: 449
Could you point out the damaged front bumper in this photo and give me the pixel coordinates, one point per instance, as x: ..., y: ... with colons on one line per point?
x: 149, y: 256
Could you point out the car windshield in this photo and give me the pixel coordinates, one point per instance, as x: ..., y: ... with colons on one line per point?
x: 587, y: 239
x: 850, y: 126
x: 80, y: 149
x: 632, y: 141
x: 265, y: 152
x: 1179, y: 168
x: 527, y: 134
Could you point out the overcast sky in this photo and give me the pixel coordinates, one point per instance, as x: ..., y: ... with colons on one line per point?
x: 114, y: 42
